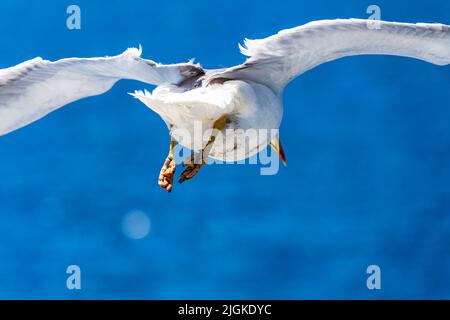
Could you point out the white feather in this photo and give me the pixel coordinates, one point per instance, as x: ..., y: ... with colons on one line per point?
x: 280, y: 58
x: 32, y: 89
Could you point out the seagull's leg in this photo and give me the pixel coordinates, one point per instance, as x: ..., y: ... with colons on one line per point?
x: 276, y: 145
x: 167, y: 172
x: 196, y: 161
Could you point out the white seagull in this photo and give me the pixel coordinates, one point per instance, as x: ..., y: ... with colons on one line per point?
x: 228, y: 101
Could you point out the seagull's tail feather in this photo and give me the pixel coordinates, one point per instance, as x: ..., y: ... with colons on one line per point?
x: 146, y: 98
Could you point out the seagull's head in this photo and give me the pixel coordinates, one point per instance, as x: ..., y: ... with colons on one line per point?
x: 154, y: 73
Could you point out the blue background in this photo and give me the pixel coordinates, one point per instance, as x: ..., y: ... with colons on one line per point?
x: 368, y: 178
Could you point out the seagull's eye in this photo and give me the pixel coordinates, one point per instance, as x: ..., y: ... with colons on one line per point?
x: 198, y: 83
x: 150, y: 63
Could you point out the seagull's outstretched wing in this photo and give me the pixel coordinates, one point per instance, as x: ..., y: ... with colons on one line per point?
x: 36, y: 87
x: 278, y: 59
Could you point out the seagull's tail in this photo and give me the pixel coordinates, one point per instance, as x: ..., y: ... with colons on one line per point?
x: 147, y: 98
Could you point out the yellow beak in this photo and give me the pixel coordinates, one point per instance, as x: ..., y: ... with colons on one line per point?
x: 276, y: 145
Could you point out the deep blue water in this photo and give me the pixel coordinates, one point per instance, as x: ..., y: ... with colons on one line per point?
x: 368, y: 177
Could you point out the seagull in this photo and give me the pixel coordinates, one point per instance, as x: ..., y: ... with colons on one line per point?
x: 210, y: 111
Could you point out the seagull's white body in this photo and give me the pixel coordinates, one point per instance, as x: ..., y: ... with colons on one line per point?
x: 249, y: 94
x: 252, y: 108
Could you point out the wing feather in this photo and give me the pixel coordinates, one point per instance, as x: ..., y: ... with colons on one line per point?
x: 32, y: 89
x: 278, y: 59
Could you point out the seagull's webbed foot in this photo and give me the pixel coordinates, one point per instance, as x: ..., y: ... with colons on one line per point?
x: 166, y: 175
x: 193, y: 164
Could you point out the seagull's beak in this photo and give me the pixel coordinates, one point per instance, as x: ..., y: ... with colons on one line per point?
x: 276, y: 145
